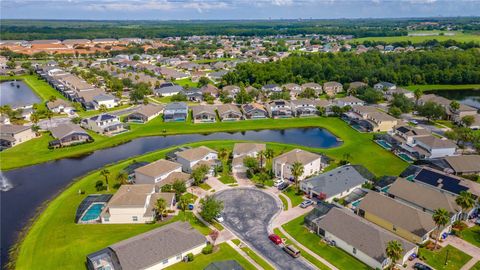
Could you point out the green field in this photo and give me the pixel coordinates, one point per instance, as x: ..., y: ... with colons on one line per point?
x: 443, y: 87
x: 436, y: 259
x: 476, y: 266
x: 54, y: 241
x: 458, y: 36
x: 312, y: 241
x: 471, y: 235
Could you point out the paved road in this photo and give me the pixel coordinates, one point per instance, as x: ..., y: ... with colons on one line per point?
x: 247, y: 212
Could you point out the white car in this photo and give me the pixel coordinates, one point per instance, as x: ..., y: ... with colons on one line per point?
x: 219, y: 218
x: 278, y: 183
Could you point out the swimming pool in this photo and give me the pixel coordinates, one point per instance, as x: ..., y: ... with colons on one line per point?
x: 93, y: 212
x: 405, y: 157
x: 384, y: 144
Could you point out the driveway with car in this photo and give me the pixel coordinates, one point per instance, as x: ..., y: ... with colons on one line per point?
x: 248, y: 213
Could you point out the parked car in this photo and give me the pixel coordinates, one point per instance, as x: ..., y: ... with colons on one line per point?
x: 421, y: 266
x: 292, y: 251
x: 283, y: 186
x: 306, y: 203
x: 413, y: 121
x: 278, y: 182
x: 219, y: 218
x: 275, y: 239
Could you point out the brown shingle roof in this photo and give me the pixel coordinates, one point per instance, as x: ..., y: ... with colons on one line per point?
x: 299, y: 155
x: 131, y: 195
x: 158, y: 168
x: 149, y: 109
x: 464, y: 164
x: 435, y: 142
x: 195, y: 153
x: 247, y: 148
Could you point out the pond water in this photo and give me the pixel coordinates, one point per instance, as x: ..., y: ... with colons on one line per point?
x: 17, y: 94
x: 467, y: 97
x: 35, y: 184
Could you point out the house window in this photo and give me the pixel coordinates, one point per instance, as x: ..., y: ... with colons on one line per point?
x: 354, y: 251
x: 165, y: 261
x: 106, y: 219
x: 135, y: 218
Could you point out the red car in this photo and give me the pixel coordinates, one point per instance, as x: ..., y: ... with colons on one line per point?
x: 275, y: 239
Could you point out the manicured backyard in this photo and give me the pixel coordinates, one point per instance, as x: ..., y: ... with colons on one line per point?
x: 456, y: 258
x: 223, y: 252
x: 471, y: 235
x: 446, y: 87
x: 291, y: 193
x: 335, y: 256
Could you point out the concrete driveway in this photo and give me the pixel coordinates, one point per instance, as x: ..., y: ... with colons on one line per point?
x: 248, y: 213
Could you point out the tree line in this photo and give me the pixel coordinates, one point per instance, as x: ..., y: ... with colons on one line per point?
x: 438, y: 66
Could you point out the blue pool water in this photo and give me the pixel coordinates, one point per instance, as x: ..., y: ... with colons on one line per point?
x: 384, y: 144
x: 93, y: 212
x: 405, y: 157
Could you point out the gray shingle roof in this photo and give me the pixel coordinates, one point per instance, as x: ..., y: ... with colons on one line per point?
x: 336, y: 181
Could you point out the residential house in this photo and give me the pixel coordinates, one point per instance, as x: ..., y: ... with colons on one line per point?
x: 384, y: 86
x: 349, y: 101
x: 108, y: 124
x: 173, y: 177
x: 432, y: 147
x: 155, y: 249
x: 271, y: 88
x: 398, y: 91
x: 311, y: 85
x: 332, y: 88
x: 204, y: 114
x: 60, y: 106
x: 399, y: 218
x: 353, y: 86
x: 168, y: 90
x: 376, y: 120
x: 175, y: 112
x: 104, y: 100
x: 254, y: 111
x: 193, y: 94
x: 242, y: 150
x: 217, y: 75
x: 134, y: 204
x: 464, y: 165
x: 293, y: 88
x: 312, y: 164
x: 229, y: 112
x: 172, y: 74
x: 304, y: 107
x: 231, y: 90
x: 279, y: 109
x: 189, y: 158
x: 336, y: 183
x: 12, y: 135
x: 210, y: 90
x: 453, y: 114
x: 68, y: 134
x: 144, y: 113
x: 425, y: 198
x: 157, y: 171
x: 4, y: 120
x: 362, y: 239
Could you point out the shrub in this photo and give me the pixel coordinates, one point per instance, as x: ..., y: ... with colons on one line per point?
x: 99, y: 185
x: 208, y: 249
x: 190, y: 257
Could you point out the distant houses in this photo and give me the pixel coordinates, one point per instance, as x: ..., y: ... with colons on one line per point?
x: 175, y: 112
x: 107, y: 124
x: 68, y: 134
x: 144, y: 113
x: 204, y: 114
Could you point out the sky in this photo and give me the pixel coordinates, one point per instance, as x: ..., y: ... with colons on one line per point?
x: 233, y: 9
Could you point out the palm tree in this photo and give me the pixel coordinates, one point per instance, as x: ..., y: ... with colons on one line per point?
x: 105, y: 173
x: 49, y: 115
x: 122, y: 177
x: 260, y: 156
x: 269, y: 154
x: 297, y: 171
x: 454, y: 105
x: 441, y: 217
x: 34, y: 117
x: 418, y: 93
x: 160, y: 207
x: 394, y: 252
x: 183, y: 204
x: 102, y: 108
x: 223, y: 154
x: 466, y: 201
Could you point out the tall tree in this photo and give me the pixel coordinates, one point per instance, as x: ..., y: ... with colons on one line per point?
x: 105, y: 173
x: 160, y: 207
x: 394, y: 252
x: 183, y: 205
x: 261, y: 156
x: 297, y: 171
x: 441, y: 217
x: 210, y: 208
x: 418, y: 93
x: 466, y: 201
x: 122, y: 177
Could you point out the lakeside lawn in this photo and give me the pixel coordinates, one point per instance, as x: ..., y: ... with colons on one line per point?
x: 443, y: 87
x: 358, y: 145
x: 458, y: 36
x: 471, y: 235
x: 312, y: 241
x: 84, y: 114
x: 223, y: 252
x: 436, y: 259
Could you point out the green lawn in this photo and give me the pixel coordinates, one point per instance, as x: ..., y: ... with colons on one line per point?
x: 186, y: 83
x: 84, y: 114
x: 358, y: 145
x: 436, y: 259
x: 312, y: 241
x: 205, y: 186
x: 446, y: 87
x: 476, y: 266
x: 227, y: 179
x: 284, y: 202
x: 259, y: 260
x: 291, y: 192
x: 304, y: 254
x: 206, y: 61
x: 458, y: 36
x: 223, y: 252
x: 471, y: 235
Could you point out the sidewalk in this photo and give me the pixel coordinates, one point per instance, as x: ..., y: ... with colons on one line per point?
x: 465, y: 247
x: 315, y: 255
x: 241, y: 252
